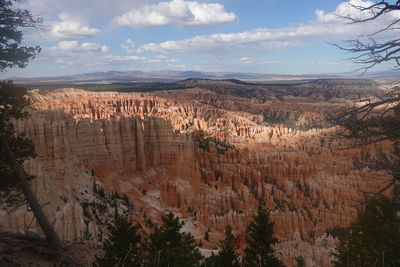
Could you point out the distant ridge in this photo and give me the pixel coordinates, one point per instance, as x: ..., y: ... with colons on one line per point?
x: 166, y: 76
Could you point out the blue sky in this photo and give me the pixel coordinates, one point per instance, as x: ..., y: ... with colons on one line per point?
x: 263, y: 36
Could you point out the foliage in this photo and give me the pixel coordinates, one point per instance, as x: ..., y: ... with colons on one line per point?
x: 373, y: 240
x: 275, y: 119
x: 300, y: 262
x: 204, y: 142
x: 335, y: 231
x: 11, y: 20
x: 170, y: 248
x: 211, y: 261
x: 14, y: 149
x: 123, y: 247
x: 12, y: 104
x: 227, y: 255
x: 259, y: 249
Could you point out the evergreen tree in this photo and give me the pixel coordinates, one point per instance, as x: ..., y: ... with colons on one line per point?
x: 11, y: 20
x: 211, y: 261
x: 259, y: 251
x: 373, y: 240
x: 14, y: 149
x: 170, y: 248
x: 227, y: 256
x: 300, y: 262
x: 122, y: 248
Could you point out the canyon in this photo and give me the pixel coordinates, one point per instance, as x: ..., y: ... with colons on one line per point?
x: 208, y: 153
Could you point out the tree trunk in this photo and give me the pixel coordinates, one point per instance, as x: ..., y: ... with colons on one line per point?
x: 396, y: 196
x: 51, y: 236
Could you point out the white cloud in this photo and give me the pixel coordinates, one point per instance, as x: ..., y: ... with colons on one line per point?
x: 74, y: 19
x: 74, y: 46
x: 88, y: 9
x: 128, y: 46
x: 246, y: 60
x: 66, y: 46
x: 177, y: 66
x: 114, y: 58
x: 95, y: 47
x: 176, y: 12
x: 69, y: 28
x: 343, y: 10
x: 326, y: 26
x: 257, y: 39
x: 351, y: 9
x: 95, y: 56
x: 271, y: 62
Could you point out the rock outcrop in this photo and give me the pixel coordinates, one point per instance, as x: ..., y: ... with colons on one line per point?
x: 206, y: 156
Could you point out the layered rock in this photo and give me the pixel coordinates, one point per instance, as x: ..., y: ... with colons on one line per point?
x: 142, y: 146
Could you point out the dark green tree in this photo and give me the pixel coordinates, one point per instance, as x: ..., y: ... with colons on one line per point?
x: 227, y: 255
x: 11, y: 21
x: 373, y: 240
x: 259, y: 251
x: 15, y: 149
x: 211, y: 261
x: 300, y: 262
x: 12, y: 104
x: 123, y: 248
x: 170, y: 248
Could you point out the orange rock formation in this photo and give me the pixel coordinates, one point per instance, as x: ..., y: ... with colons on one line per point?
x: 142, y: 146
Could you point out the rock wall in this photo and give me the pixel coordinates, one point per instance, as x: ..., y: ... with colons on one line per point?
x: 142, y: 146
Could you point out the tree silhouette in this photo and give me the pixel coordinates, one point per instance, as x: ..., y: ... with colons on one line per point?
x: 373, y: 240
x: 376, y: 120
x: 259, y: 251
x: 11, y: 20
x: 368, y: 51
x: 300, y: 261
x: 227, y: 255
x: 123, y: 248
x: 14, y: 149
x: 170, y: 248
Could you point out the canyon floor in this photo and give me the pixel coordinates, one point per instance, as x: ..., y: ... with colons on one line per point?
x: 206, y: 150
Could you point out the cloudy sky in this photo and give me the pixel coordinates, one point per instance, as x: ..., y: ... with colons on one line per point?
x: 263, y: 36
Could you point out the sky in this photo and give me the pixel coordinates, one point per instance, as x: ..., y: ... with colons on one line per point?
x: 260, y: 36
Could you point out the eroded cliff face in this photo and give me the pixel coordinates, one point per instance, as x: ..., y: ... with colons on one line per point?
x: 206, y: 156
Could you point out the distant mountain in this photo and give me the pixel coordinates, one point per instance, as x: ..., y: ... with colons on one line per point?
x: 389, y: 73
x: 163, y: 76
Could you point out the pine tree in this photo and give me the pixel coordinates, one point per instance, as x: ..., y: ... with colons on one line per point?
x: 122, y: 248
x: 170, y: 248
x: 300, y: 262
x: 11, y: 21
x: 259, y: 251
x: 211, y: 261
x: 227, y: 255
x: 14, y: 149
x: 373, y: 240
